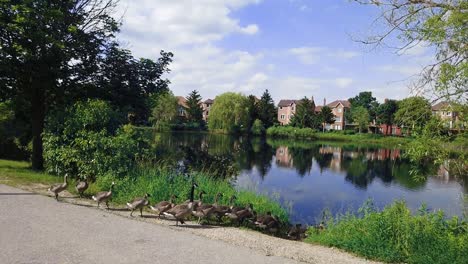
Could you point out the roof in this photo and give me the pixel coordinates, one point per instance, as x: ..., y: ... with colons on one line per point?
x: 335, y: 103
x: 209, y: 101
x: 440, y: 106
x: 318, y: 108
x: 182, y: 101
x: 284, y: 103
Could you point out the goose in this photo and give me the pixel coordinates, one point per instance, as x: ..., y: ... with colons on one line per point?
x: 297, y: 231
x: 221, y: 210
x: 104, y: 196
x: 81, y: 187
x: 205, y: 210
x: 200, y: 199
x: 138, y: 203
x: 182, y: 211
x: 163, y: 206
x: 239, y: 215
x: 268, y: 222
x: 59, y: 187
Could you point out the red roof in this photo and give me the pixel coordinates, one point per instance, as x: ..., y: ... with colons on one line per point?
x: 440, y: 106
x: 345, y: 103
x: 182, y: 101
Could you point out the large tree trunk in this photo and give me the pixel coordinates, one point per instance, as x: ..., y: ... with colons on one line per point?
x: 37, y: 124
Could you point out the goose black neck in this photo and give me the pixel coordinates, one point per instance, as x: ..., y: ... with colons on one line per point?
x: 192, y: 192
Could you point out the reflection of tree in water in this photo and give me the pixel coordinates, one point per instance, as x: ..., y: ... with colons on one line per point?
x: 257, y: 153
x: 303, y: 159
x: 323, y: 160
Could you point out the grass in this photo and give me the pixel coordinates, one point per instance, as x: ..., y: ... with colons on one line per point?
x: 160, y: 183
x: 364, y: 138
x: 396, y: 235
x: 291, y: 132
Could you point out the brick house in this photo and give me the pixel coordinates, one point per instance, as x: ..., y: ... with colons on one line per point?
x: 286, y: 110
x: 338, y: 107
x: 181, y: 106
x: 206, y: 106
x: 445, y: 112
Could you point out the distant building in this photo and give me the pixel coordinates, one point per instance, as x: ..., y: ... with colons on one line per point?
x: 445, y: 112
x: 286, y: 110
x: 181, y: 106
x: 206, y: 106
x: 339, y: 108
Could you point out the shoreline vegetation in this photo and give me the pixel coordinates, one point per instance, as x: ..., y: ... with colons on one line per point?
x: 392, y: 234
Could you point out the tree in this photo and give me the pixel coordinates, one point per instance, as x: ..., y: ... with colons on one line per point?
x: 267, y: 112
x: 366, y: 100
x: 194, y: 109
x: 165, y: 111
x: 43, y: 44
x: 305, y: 114
x: 258, y: 128
x: 386, y: 113
x: 413, y: 112
x: 252, y: 111
x: 361, y: 117
x: 229, y: 113
x: 326, y: 116
x: 438, y: 24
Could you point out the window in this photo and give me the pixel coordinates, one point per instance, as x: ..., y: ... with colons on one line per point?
x: 292, y: 107
x: 290, y: 116
x: 281, y: 107
x: 338, y: 127
x: 340, y: 110
x: 337, y: 118
x: 282, y: 117
x: 449, y: 113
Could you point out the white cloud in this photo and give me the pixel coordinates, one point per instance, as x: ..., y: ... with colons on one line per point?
x: 343, y: 82
x: 311, y: 55
x: 406, y: 70
x: 419, y: 49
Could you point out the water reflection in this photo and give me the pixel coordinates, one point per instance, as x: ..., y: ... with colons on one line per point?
x: 308, y: 177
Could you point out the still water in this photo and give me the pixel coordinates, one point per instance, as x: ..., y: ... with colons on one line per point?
x: 307, y: 177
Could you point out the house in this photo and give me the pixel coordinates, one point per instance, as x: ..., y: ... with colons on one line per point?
x: 339, y: 108
x: 206, y: 106
x: 445, y: 112
x: 181, y: 106
x: 286, y: 110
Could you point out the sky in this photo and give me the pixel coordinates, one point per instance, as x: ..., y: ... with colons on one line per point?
x: 293, y: 48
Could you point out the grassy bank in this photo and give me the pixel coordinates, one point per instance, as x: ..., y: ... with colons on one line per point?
x: 396, y: 235
x: 363, y: 139
x: 160, y: 183
x: 290, y: 132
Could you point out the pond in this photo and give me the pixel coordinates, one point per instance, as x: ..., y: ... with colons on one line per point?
x: 307, y: 177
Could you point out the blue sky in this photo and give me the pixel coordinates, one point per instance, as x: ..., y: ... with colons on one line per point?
x: 293, y: 48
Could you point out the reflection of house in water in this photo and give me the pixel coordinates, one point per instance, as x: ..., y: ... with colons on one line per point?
x: 283, y: 157
x: 339, y: 154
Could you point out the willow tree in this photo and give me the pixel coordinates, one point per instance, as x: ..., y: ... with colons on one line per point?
x: 229, y: 113
x: 44, y: 45
x: 439, y: 24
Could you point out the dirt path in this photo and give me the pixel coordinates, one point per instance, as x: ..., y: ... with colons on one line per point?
x: 37, y: 229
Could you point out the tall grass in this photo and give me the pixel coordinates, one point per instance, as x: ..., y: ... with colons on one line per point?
x: 161, y: 183
x: 396, y: 235
x: 291, y: 132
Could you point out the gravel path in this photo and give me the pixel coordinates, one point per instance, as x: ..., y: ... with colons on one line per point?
x: 37, y: 229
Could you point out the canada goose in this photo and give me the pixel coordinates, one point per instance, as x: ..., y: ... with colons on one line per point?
x: 138, y: 203
x: 59, y: 187
x: 163, y: 206
x: 239, y: 215
x: 104, y: 196
x: 200, y: 199
x: 297, y: 232
x: 81, y: 187
x: 268, y: 222
x: 205, y: 210
x: 221, y: 210
x: 182, y: 211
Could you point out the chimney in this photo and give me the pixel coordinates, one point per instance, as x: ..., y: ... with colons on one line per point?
x: 324, y: 101
x: 312, y: 98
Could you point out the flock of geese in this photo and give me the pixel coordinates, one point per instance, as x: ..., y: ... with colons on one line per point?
x: 197, y: 208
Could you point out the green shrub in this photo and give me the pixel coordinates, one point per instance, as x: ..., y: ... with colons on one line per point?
x: 85, y: 141
x: 257, y: 128
x: 395, y: 235
x: 293, y: 132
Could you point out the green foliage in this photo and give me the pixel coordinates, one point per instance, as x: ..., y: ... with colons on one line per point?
x: 326, y: 116
x: 194, y: 109
x: 267, y: 112
x: 88, y: 143
x: 293, y: 132
x: 165, y: 111
x: 365, y: 100
x: 413, y: 113
x: 161, y: 183
x: 257, y: 128
x: 229, y: 113
x: 305, y: 114
x: 361, y: 117
x: 386, y: 112
x: 395, y: 235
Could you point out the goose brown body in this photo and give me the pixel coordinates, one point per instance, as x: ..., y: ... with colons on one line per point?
x: 59, y: 187
x: 164, y: 206
x: 138, y: 203
x: 182, y: 211
x: 104, y: 196
x: 81, y: 187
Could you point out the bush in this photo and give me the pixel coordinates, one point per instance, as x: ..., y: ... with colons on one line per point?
x: 257, y: 128
x: 395, y: 235
x: 85, y: 141
x: 288, y: 131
